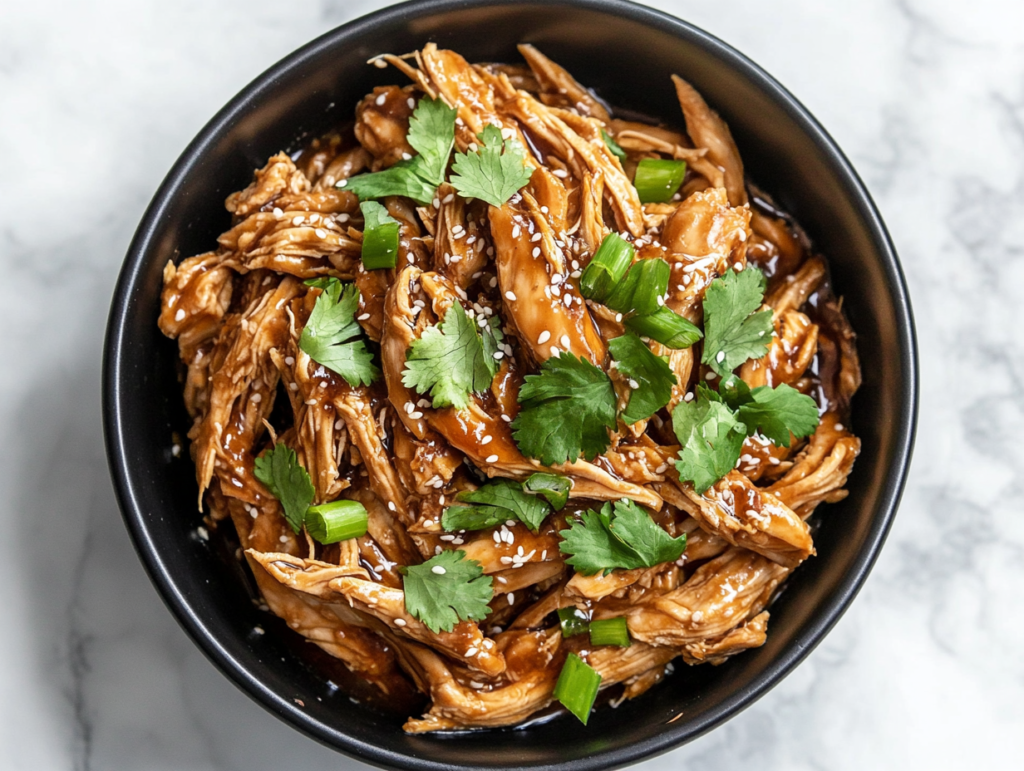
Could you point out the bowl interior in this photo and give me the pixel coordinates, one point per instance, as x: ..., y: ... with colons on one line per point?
x: 627, y: 53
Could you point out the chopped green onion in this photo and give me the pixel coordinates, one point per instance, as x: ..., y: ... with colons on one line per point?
x: 667, y: 327
x: 336, y: 521
x: 380, y: 236
x: 472, y: 517
x: 657, y: 180
x: 610, y: 631
x: 617, y: 151
x: 646, y: 281
x: 553, y: 487
x: 572, y: 620
x: 607, y: 267
x: 577, y: 687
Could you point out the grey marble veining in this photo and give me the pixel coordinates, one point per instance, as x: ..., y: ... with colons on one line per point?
x: 925, y: 671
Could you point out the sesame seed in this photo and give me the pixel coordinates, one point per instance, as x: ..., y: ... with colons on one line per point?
x: 179, y: 315
x: 566, y: 343
x: 438, y: 570
x: 688, y: 398
x: 720, y: 357
x: 560, y: 173
x: 381, y: 99
x: 486, y: 439
x: 471, y: 651
x: 544, y: 337
x: 289, y: 360
x: 391, y: 506
x: 379, y: 63
x: 492, y: 458
x: 555, y: 351
x: 399, y: 622
x: 320, y: 233
x: 510, y: 296
x: 536, y: 236
x: 362, y: 316
x: 839, y: 427
x: 633, y: 384
x: 256, y: 398
x: 536, y: 251
x: 511, y: 598
x: 506, y: 418
x: 298, y: 220
x: 416, y: 415
x: 278, y: 213
x: 411, y: 102
x: 618, y: 317
x: 516, y: 230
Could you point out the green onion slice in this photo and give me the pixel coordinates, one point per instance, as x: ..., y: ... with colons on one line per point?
x: 657, y: 179
x: 572, y: 620
x: 610, y: 631
x: 607, y: 267
x: 667, y: 327
x: 617, y: 151
x: 577, y: 687
x: 646, y: 281
x: 552, y: 487
x: 380, y: 236
x: 336, y: 521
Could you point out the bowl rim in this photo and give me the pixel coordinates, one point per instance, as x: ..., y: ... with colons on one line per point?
x: 161, y: 573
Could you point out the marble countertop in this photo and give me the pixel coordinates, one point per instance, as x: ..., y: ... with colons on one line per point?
x: 925, y: 671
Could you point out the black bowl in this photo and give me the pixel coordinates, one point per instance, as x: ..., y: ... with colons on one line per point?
x: 627, y: 52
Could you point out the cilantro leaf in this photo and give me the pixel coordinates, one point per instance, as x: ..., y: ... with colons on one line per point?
x: 448, y: 361
x: 404, y: 178
x: 554, y: 488
x: 280, y: 471
x: 332, y: 336
x: 634, y: 526
x: 446, y: 588
x: 567, y: 410
x: 733, y: 332
x: 496, y: 502
x: 619, y: 536
x: 492, y: 336
x: 490, y: 174
x: 712, y: 439
x: 432, y: 135
x: 653, y: 376
x: 778, y: 412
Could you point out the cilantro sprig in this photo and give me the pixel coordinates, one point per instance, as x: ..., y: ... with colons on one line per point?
x: 619, y: 535
x: 450, y: 360
x: 566, y: 411
x: 495, y: 172
x: 446, y: 588
x: 651, y: 374
x: 432, y: 135
x: 332, y: 337
x: 494, y: 503
x: 713, y: 427
x: 280, y: 471
x: 733, y: 332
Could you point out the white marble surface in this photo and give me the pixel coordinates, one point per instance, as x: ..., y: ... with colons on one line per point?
x: 927, y: 97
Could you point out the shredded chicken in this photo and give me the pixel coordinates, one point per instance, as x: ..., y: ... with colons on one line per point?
x: 239, y: 313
